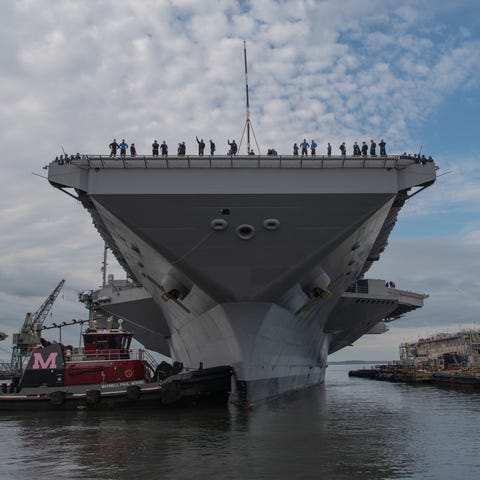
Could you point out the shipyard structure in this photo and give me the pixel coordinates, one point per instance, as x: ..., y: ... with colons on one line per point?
x: 254, y: 262
x: 443, y: 349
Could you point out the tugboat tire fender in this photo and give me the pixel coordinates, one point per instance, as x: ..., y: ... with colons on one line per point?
x: 92, y: 397
x: 133, y: 392
x: 170, y: 393
x: 57, y: 398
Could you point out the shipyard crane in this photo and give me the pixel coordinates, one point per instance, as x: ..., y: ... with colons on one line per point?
x: 30, y: 333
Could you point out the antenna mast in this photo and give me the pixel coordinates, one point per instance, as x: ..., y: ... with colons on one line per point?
x: 248, y: 100
x: 104, y: 266
x: 248, y: 124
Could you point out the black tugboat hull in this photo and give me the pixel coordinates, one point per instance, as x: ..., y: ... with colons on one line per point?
x: 206, y: 386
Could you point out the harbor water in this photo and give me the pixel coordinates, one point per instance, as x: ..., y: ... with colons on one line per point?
x: 350, y: 428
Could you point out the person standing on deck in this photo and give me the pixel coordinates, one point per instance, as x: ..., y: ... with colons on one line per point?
x: 164, y: 148
x: 155, y: 148
x: 383, y: 151
x: 201, y: 147
x: 304, y: 146
x: 295, y: 150
x: 133, y: 150
x: 364, y: 149
x: 233, y: 147
x: 356, y: 150
x: 123, y: 148
x: 113, y: 148
x: 313, y: 147
x: 329, y: 150
x: 373, y: 146
x: 343, y: 149
x: 212, y: 147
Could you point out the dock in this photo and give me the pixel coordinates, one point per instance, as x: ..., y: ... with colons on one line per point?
x: 394, y: 373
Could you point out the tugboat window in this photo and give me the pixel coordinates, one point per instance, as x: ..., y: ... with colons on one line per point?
x: 101, y: 342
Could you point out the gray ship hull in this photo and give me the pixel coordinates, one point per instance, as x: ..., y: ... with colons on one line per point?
x: 269, y: 349
x: 248, y: 263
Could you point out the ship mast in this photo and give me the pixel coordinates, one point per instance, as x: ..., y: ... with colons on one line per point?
x: 104, y: 266
x: 248, y: 123
x: 246, y: 93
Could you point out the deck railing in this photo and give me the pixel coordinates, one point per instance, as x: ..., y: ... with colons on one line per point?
x: 238, y: 162
x: 80, y: 354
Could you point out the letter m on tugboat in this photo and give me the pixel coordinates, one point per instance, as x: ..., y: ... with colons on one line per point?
x: 45, y: 367
x: 40, y: 363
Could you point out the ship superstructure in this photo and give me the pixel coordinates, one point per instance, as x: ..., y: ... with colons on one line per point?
x: 250, y: 261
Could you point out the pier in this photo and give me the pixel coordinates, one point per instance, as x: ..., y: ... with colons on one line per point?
x: 398, y: 373
x: 394, y: 373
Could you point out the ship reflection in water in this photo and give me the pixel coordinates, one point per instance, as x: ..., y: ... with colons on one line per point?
x: 348, y: 429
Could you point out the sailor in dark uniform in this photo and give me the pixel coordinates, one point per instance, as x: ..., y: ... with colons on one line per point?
x: 383, y: 151
x: 373, y: 146
x: 155, y: 148
x: 164, y: 148
x: 113, y: 148
x: 182, y: 149
x: 364, y: 149
x: 212, y: 147
x: 201, y: 146
x: 233, y: 147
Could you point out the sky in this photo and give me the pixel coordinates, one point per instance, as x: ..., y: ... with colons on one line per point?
x: 76, y: 74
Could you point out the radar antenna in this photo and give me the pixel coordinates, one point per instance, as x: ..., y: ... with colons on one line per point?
x: 248, y: 123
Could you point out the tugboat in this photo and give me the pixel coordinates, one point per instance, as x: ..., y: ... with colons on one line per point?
x: 106, y: 373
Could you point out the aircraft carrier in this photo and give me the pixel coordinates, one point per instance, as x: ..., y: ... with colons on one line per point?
x: 257, y: 262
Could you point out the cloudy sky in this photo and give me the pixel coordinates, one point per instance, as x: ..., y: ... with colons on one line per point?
x: 78, y: 73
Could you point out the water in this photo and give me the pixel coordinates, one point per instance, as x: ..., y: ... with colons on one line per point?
x: 351, y: 428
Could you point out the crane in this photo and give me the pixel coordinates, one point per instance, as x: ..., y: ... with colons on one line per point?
x: 30, y: 333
